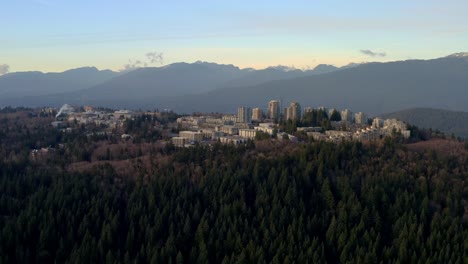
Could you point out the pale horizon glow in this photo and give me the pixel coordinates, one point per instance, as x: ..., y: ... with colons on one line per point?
x: 54, y: 36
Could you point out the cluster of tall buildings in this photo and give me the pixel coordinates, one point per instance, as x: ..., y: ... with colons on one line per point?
x: 292, y: 112
x: 238, y: 128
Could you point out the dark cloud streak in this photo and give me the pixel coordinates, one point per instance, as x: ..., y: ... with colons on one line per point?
x: 372, y: 53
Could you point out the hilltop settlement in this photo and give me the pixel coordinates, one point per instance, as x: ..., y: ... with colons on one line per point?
x: 289, y: 123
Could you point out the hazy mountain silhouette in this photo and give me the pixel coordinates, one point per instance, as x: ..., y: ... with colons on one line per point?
x: 185, y: 79
x: 137, y: 86
x: 443, y: 120
x: 324, y: 68
x: 171, y: 80
x: 20, y: 84
x: 278, y: 73
x: 372, y: 87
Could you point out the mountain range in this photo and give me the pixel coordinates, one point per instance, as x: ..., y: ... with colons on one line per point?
x: 134, y: 89
x: 373, y: 88
x: 20, y: 84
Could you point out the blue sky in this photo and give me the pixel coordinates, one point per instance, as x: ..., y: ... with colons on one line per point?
x: 55, y: 35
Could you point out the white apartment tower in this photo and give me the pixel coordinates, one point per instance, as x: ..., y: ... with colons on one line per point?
x: 377, y: 123
x: 293, y: 112
x: 347, y: 115
x: 274, y: 109
x: 244, y: 114
x: 257, y: 114
x: 360, y: 118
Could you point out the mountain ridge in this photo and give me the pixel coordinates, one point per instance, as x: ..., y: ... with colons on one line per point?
x: 33, y: 83
x: 203, y: 86
x: 373, y: 88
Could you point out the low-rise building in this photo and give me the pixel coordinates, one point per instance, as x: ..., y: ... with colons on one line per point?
x: 367, y: 134
x: 191, y: 136
x: 232, y: 118
x: 189, y: 121
x: 207, y: 133
x: 282, y: 135
x: 125, y: 114
x: 394, y: 124
x: 243, y: 125
x: 179, y: 141
x: 310, y: 129
x: 317, y: 135
x: 216, y: 135
x: 229, y: 130
x: 268, y: 130
x: 236, y: 140
x: 247, y: 133
x: 339, y: 135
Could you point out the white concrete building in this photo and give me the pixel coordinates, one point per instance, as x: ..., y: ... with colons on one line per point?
x: 247, y: 133
x: 179, y: 141
x: 293, y: 112
x: 229, y: 130
x: 192, y: 136
x: 317, y: 135
x: 377, y: 123
x: 360, y: 118
x: 257, y: 114
x: 189, y: 121
x: 232, y: 118
x: 347, y: 115
x: 274, y: 109
x: 125, y: 114
x: 232, y: 140
x: 268, y: 130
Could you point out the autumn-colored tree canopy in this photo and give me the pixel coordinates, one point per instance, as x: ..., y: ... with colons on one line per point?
x: 101, y: 200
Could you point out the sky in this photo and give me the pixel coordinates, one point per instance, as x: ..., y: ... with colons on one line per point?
x: 56, y: 35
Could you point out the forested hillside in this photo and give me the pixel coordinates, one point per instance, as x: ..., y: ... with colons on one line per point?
x: 266, y: 202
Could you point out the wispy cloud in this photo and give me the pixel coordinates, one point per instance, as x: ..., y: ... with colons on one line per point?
x: 4, y: 69
x: 152, y: 58
x: 155, y: 57
x: 372, y: 53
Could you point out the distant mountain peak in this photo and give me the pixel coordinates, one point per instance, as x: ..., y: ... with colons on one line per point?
x: 324, y: 68
x: 354, y: 64
x: 283, y: 68
x: 459, y: 55
x: 201, y: 62
x: 83, y: 69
